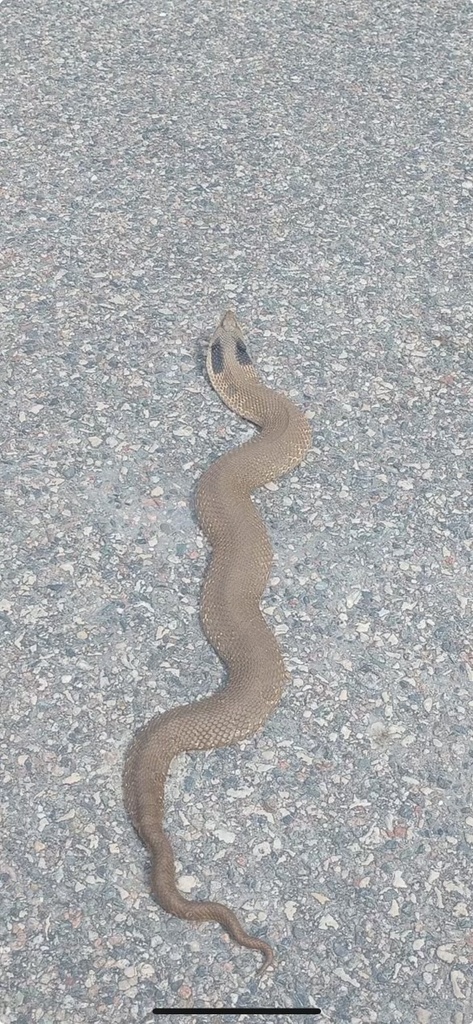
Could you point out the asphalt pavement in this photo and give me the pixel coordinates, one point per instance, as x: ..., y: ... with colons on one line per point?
x: 309, y: 165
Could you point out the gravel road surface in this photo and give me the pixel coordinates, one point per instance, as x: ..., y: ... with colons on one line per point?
x: 309, y: 165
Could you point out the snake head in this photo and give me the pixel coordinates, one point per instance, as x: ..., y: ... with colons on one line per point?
x: 229, y: 364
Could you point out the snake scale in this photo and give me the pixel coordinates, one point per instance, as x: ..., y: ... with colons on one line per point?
x: 230, y: 616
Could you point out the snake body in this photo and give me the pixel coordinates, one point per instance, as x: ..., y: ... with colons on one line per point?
x: 230, y: 615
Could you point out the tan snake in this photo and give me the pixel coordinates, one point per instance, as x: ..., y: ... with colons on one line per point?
x: 230, y: 615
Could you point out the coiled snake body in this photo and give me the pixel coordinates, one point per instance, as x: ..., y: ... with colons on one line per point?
x: 230, y: 615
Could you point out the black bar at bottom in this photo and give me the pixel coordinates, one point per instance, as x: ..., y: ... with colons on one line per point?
x: 238, y: 1011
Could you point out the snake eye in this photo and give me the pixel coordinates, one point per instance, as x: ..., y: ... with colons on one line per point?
x: 216, y: 356
x: 242, y: 354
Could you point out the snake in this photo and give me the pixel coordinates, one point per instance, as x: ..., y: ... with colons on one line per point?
x: 230, y: 614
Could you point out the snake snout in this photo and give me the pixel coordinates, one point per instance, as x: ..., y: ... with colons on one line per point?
x: 229, y: 322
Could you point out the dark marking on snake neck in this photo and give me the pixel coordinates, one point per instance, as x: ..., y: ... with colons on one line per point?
x: 242, y: 354
x: 216, y: 353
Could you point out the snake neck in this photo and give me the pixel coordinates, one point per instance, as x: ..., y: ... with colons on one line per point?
x: 281, y: 444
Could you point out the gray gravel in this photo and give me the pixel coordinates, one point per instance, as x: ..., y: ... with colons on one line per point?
x: 311, y: 166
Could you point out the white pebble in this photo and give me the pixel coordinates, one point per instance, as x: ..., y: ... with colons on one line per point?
x: 457, y: 978
x: 187, y: 883
x: 290, y: 909
x: 225, y: 835
x: 353, y: 597
x: 183, y: 432
x: 445, y: 953
x: 327, y: 921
